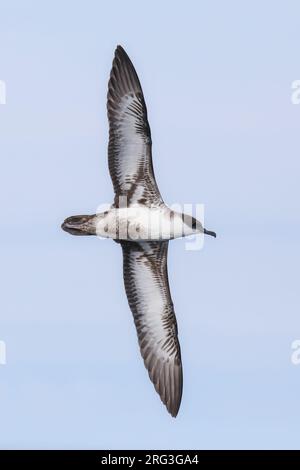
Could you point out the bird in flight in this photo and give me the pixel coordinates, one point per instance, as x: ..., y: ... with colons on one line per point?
x: 142, y: 224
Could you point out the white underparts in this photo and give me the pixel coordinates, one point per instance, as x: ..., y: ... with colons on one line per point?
x: 143, y: 223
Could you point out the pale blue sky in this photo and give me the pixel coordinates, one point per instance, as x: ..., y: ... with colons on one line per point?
x: 217, y: 81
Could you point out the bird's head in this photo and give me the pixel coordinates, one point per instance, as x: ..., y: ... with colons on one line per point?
x: 80, y: 225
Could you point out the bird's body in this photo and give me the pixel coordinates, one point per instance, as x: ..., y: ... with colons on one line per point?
x: 142, y: 224
x: 139, y: 222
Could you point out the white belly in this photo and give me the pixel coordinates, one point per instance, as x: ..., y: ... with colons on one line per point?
x: 141, y: 223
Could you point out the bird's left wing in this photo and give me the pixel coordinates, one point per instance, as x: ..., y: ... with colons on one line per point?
x: 129, y: 148
x: 148, y: 293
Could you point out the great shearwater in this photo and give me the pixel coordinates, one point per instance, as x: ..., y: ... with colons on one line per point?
x: 142, y: 224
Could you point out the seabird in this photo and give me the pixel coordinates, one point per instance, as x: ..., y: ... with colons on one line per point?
x: 142, y: 224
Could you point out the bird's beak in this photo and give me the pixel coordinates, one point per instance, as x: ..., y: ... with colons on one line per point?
x: 209, y: 232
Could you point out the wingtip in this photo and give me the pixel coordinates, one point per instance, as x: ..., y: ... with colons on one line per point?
x: 174, y: 413
x: 173, y: 405
x: 120, y: 50
x: 174, y: 410
x: 122, y: 55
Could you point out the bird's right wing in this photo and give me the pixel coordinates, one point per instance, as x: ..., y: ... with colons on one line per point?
x: 129, y: 148
x: 148, y: 293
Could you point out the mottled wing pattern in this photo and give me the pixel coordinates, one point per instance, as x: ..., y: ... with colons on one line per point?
x: 148, y: 293
x: 129, y: 149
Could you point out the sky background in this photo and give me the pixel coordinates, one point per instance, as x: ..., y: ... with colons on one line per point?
x: 217, y: 82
